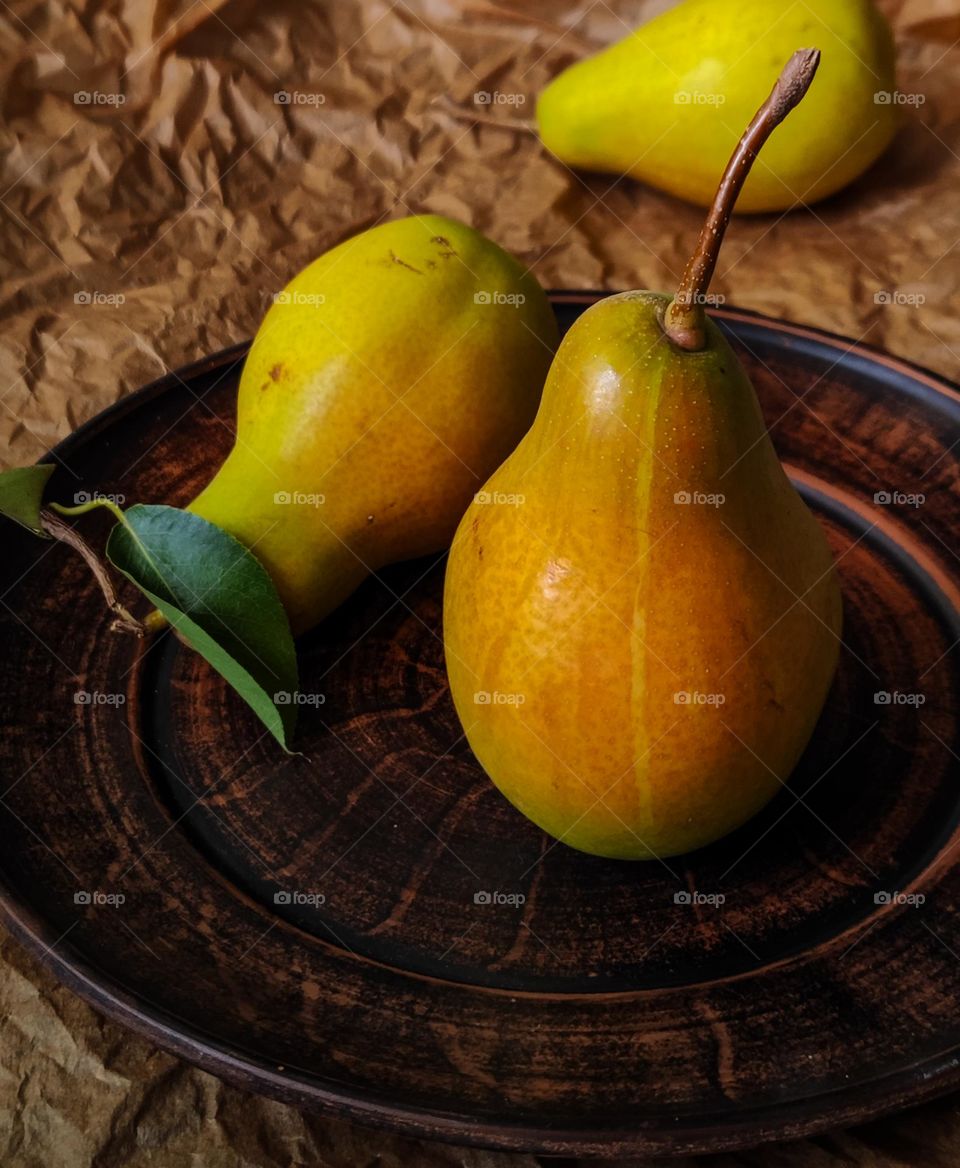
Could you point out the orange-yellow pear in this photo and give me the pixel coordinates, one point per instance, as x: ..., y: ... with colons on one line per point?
x: 641, y: 616
x: 386, y: 382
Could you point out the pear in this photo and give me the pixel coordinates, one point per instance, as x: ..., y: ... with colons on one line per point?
x: 641, y: 617
x: 664, y: 104
x: 387, y: 381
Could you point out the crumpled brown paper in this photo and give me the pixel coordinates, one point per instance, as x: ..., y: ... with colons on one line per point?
x: 167, y: 165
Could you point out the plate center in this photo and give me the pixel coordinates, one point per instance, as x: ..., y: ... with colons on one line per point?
x: 387, y: 839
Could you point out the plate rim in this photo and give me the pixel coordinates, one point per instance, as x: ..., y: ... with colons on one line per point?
x: 923, y: 1080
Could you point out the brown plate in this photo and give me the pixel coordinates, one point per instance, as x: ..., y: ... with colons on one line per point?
x: 371, y: 929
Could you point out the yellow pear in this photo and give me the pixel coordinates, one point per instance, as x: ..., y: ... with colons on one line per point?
x: 386, y: 382
x: 665, y: 104
x: 641, y: 617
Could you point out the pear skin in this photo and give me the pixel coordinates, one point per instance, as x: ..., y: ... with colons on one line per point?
x: 666, y: 103
x: 641, y: 632
x: 386, y: 382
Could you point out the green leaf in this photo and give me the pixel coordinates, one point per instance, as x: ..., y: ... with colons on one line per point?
x: 219, y: 598
x: 21, y: 494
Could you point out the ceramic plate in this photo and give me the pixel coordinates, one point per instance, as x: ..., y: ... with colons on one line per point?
x: 372, y: 930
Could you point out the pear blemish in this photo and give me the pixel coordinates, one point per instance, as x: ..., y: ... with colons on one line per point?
x: 395, y: 259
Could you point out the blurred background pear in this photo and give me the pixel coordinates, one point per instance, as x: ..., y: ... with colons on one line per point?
x: 666, y: 104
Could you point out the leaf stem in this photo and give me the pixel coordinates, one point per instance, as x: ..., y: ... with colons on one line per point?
x: 684, y: 320
x: 83, y: 508
x: 55, y: 527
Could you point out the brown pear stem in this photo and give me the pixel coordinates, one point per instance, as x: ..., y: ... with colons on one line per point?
x: 684, y: 320
x: 478, y: 118
x: 55, y: 526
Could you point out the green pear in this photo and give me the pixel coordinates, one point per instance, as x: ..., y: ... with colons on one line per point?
x: 641, y: 617
x: 386, y: 382
x: 665, y: 103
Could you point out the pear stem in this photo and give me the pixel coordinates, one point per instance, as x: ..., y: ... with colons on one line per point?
x: 53, y: 525
x: 684, y: 320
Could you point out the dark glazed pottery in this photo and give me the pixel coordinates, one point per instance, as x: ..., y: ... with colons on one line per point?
x: 371, y: 929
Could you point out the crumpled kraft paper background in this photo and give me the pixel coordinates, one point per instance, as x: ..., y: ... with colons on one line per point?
x: 167, y: 165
